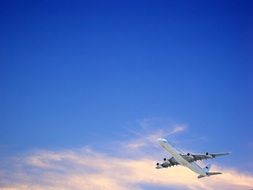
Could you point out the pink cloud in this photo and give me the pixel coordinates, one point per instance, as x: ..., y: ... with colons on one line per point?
x: 90, y: 169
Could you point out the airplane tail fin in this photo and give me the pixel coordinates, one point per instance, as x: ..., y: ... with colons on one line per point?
x: 207, y: 168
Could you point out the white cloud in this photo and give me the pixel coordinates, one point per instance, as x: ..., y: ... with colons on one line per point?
x: 91, y: 169
x: 149, y: 132
x: 88, y: 169
x: 178, y: 128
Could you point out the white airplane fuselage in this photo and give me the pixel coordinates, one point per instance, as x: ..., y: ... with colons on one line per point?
x: 192, y: 166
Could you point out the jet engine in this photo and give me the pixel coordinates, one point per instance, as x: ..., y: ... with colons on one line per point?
x: 190, y: 155
x: 209, y: 155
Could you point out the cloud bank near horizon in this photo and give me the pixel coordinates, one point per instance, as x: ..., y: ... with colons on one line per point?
x: 87, y: 168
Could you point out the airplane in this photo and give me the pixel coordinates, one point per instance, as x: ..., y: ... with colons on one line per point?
x: 187, y: 160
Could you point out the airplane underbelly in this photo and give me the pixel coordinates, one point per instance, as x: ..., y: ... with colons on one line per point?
x: 181, y: 160
x: 194, y: 167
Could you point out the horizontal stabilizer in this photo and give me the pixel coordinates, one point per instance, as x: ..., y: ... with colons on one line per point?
x: 213, y: 173
x: 209, y: 174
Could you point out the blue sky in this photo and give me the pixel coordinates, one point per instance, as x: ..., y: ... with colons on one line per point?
x: 78, y: 73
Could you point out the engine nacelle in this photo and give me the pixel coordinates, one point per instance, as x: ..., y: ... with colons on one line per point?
x: 158, y: 166
x: 209, y: 155
x: 189, y: 155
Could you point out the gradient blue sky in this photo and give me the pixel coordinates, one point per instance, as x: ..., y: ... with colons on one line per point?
x: 75, y: 71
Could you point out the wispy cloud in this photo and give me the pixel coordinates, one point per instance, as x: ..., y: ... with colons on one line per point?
x: 177, y: 128
x: 90, y: 169
x: 149, y: 132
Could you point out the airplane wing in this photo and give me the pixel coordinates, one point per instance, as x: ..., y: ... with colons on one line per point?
x: 167, y: 163
x: 194, y: 157
x: 173, y: 161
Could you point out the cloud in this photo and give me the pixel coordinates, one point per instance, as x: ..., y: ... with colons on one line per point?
x: 178, y: 128
x: 149, y: 132
x: 87, y: 168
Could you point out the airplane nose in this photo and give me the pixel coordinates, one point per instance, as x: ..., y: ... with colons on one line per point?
x: 162, y: 140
